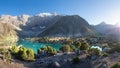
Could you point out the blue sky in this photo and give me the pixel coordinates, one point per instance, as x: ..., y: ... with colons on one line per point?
x: 94, y: 11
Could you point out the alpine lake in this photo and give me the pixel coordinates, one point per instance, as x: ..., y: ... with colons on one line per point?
x: 35, y: 45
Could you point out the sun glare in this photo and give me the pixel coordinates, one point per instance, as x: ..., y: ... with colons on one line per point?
x: 118, y: 24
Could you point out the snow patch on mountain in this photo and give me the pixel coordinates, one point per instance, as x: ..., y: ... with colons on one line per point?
x: 46, y: 14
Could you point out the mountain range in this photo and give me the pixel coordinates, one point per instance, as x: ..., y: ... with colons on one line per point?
x: 107, y: 29
x: 54, y: 25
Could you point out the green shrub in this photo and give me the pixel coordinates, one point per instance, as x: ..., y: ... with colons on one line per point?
x: 25, y: 54
x: 48, y: 49
x: 30, y: 54
x: 77, y: 44
x: 75, y: 60
x: 14, y: 49
x: 72, y: 48
x: 65, y: 48
x: 105, y: 54
x: 94, y: 51
x: 7, y: 56
x: 68, y: 48
x: 84, y: 46
x: 54, y: 51
x: 21, y: 53
x: 2, y: 50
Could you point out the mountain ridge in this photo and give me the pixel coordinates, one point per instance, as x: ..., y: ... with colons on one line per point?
x: 53, y: 24
x: 68, y: 23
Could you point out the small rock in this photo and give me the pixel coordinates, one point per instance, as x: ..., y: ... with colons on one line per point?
x: 56, y: 65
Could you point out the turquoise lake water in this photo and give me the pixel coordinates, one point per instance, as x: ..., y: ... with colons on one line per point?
x: 35, y: 45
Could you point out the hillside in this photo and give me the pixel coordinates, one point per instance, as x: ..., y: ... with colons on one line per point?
x: 55, y: 25
x: 108, y: 30
x: 103, y: 27
x: 68, y: 26
x: 36, y: 24
x: 8, y: 34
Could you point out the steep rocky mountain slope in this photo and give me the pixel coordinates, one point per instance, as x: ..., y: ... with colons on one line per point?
x: 110, y: 31
x: 107, y: 28
x: 8, y: 34
x: 29, y: 26
x: 68, y: 26
x: 103, y: 27
x: 36, y: 24
x: 15, y: 20
x: 54, y: 25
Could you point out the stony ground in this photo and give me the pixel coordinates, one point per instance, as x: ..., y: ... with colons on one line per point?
x: 15, y: 64
x: 64, y: 61
x: 106, y: 62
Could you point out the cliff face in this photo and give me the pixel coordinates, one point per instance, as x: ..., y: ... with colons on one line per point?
x: 8, y: 35
x: 15, y: 20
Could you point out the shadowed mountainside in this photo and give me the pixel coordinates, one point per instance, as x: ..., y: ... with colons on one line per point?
x: 68, y: 26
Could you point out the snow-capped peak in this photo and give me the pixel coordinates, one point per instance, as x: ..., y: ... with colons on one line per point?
x: 46, y: 14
